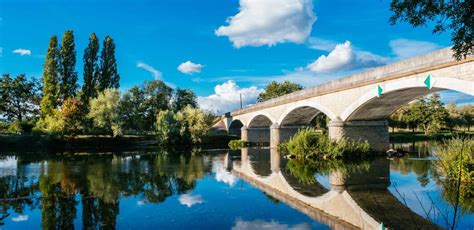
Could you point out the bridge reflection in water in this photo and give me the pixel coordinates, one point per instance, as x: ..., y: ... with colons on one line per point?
x: 355, y: 199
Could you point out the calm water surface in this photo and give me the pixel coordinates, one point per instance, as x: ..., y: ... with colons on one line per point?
x: 213, y: 190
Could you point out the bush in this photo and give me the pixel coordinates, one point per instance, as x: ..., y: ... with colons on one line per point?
x: 169, y: 129
x: 309, y: 144
x: 455, y: 164
x: 104, y: 112
x: 238, y: 144
x: 195, y: 120
x: 51, y: 124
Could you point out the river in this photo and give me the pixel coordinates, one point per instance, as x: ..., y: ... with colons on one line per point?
x: 220, y: 189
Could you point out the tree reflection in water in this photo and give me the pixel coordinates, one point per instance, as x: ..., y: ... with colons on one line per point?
x: 97, y: 182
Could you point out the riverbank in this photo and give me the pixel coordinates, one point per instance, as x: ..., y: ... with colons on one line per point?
x: 420, y: 136
x: 26, y: 142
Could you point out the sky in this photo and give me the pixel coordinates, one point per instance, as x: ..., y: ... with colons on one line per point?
x: 219, y: 48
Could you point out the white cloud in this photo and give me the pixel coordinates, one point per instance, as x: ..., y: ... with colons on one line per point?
x: 190, y: 67
x: 321, y: 44
x: 405, y: 48
x: 156, y: 74
x: 190, y: 200
x: 268, y: 22
x: 344, y: 57
x: 273, y: 225
x: 22, y: 52
x: 226, y: 97
x: 20, y: 218
x: 222, y: 175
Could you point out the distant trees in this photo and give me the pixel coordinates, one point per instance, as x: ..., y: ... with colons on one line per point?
x: 275, y: 89
x: 457, y: 16
x: 430, y: 115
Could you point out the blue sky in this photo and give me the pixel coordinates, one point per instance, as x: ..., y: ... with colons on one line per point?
x: 226, y: 47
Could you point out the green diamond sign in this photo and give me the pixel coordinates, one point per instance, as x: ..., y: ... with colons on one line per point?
x: 429, y: 81
x: 379, y: 90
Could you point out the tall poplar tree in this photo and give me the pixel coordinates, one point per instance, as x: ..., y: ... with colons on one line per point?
x: 50, y: 100
x: 68, y: 85
x: 91, y: 53
x: 108, y: 77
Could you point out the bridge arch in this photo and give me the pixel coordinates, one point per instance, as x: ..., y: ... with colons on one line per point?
x: 260, y: 120
x: 235, y: 127
x: 301, y: 113
x: 398, y: 93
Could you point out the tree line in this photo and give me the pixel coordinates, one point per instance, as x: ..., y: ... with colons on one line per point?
x: 430, y: 115
x: 58, y: 105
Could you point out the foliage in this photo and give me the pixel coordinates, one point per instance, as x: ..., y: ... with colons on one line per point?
x: 108, y: 76
x: 72, y: 113
x: 196, y: 121
x: 19, y: 98
x: 453, y: 15
x: 238, y: 144
x: 275, y: 89
x: 183, y: 98
x: 52, y: 124
x: 308, y: 144
x: 157, y: 96
x: 104, y: 112
x: 454, y: 163
x: 132, y: 110
x: 428, y: 114
x: 89, y: 88
x: 50, y: 100
x: 168, y: 128
x: 67, y: 54
x: 321, y: 121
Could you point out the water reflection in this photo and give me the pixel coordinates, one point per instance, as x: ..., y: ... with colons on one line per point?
x: 98, y: 183
x: 358, y: 196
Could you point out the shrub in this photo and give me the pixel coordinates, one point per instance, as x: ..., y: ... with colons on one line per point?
x: 238, y: 144
x: 104, y: 112
x: 309, y: 144
x: 195, y: 121
x: 168, y: 128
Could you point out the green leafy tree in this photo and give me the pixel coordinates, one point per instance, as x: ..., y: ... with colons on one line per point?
x: 68, y: 85
x: 168, y: 128
x: 183, y: 98
x: 50, y: 101
x: 454, y: 118
x: 108, y: 76
x: 157, y: 98
x: 195, y: 121
x: 104, y: 112
x: 467, y: 114
x: 19, y: 98
x: 133, y: 111
x: 91, y: 53
x: 275, y: 89
x: 454, y: 15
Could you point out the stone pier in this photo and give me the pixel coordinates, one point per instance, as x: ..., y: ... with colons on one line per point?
x: 279, y: 134
x: 374, y: 132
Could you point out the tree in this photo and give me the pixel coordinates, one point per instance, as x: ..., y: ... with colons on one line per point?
x: 168, y: 129
x: 275, y: 89
x: 195, y: 120
x: 449, y: 14
x: 19, y: 98
x: 89, y: 88
x: 454, y: 118
x: 68, y: 85
x: 108, y: 75
x: 183, y: 98
x: 72, y: 115
x: 104, y: 112
x: 50, y: 100
x: 467, y: 114
x: 157, y: 98
x: 132, y: 110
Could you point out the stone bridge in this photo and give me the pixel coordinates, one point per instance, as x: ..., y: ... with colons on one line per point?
x: 358, y: 106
